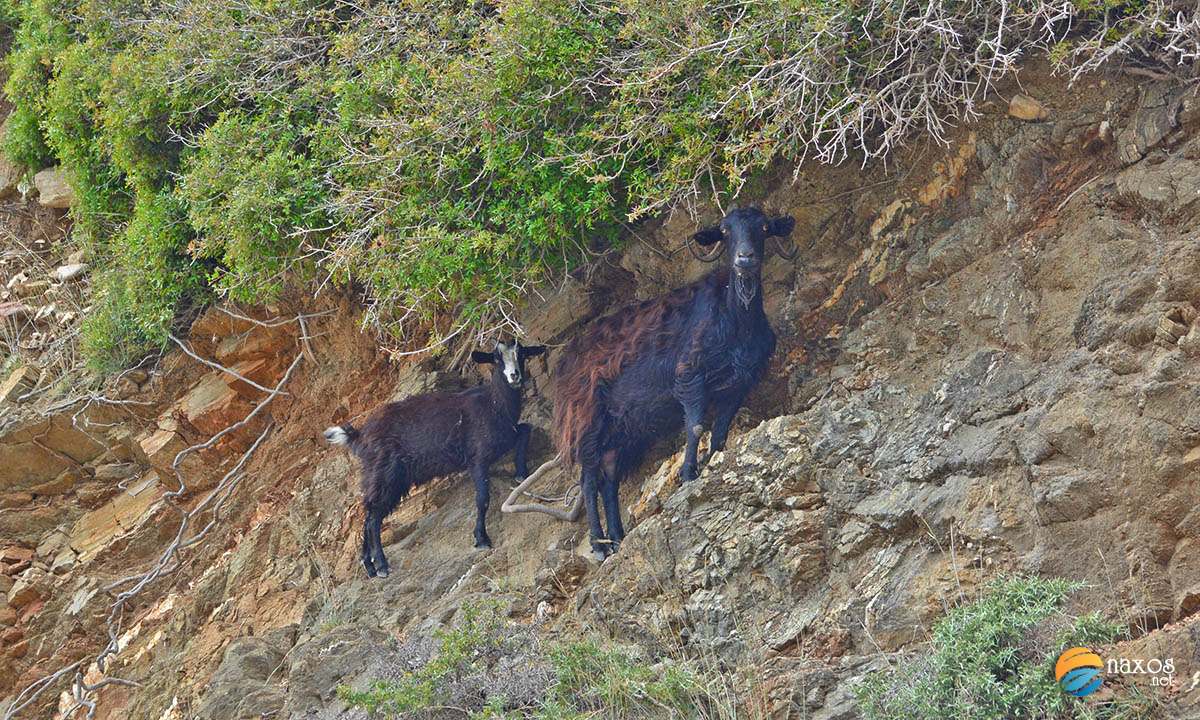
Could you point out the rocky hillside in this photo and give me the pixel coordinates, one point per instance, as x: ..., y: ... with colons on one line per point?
x: 988, y: 365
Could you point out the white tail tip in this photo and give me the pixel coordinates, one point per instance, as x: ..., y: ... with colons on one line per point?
x: 336, y: 436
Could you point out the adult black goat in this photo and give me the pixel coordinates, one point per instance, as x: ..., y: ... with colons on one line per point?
x: 405, y: 444
x: 636, y: 374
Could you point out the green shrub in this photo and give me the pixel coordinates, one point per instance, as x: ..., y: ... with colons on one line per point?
x: 103, y: 202
x: 148, y: 275
x: 142, y: 119
x: 450, y: 153
x: 458, y: 177
x: 40, y: 34
x: 23, y: 142
x: 9, y: 16
x: 251, y: 197
x: 992, y: 658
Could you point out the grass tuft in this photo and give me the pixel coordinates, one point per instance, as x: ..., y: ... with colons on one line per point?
x: 485, y: 669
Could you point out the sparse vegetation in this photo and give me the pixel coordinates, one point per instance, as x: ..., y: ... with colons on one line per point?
x: 486, y: 669
x: 994, y: 657
x: 448, y: 153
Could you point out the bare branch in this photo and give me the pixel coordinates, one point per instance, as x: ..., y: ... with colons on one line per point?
x: 570, y: 514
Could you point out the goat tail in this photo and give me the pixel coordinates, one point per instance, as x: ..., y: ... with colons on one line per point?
x: 343, y: 434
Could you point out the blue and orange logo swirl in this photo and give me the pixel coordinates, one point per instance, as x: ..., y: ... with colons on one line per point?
x: 1078, y: 671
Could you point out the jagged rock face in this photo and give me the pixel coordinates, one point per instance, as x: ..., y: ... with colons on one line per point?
x: 1017, y: 393
x: 743, y: 544
x: 987, y: 364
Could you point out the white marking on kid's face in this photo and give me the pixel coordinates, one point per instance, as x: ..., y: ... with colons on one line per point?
x: 335, y: 435
x: 512, y: 368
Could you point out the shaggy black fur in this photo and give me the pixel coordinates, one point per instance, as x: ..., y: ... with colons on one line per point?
x: 405, y: 444
x: 638, y: 374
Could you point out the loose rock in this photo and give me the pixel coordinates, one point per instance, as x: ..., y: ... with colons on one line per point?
x: 73, y: 271
x: 53, y: 189
x: 30, y: 586
x: 1026, y: 108
x: 19, y: 382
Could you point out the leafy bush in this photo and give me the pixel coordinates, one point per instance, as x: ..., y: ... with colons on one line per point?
x: 449, y: 153
x: 103, y: 201
x: 148, y: 275
x: 992, y: 658
x: 486, y: 669
x: 40, y: 34
x: 250, y: 197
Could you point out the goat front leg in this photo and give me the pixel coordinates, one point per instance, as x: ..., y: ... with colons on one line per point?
x: 480, y: 474
x: 367, y: 545
x: 690, y: 392
x: 375, y: 527
x: 726, y: 411
x: 521, y: 469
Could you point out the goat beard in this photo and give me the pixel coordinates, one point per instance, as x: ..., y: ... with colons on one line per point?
x: 746, y: 287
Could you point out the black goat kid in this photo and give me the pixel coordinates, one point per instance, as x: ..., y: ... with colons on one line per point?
x: 636, y: 375
x: 405, y: 444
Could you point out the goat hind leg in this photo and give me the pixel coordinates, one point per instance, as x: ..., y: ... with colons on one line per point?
x: 610, y: 491
x: 588, y: 485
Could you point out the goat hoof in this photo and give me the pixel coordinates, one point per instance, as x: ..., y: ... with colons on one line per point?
x: 371, y: 572
x: 483, y: 542
x: 383, y: 572
x: 687, y: 473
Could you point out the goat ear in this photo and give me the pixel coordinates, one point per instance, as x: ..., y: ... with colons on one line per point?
x: 708, y: 235
x: 782, y: 226
x: 532, y: 350
x: 483, y: 358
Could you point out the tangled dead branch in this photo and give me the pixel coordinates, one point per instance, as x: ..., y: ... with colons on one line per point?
x: 208, y: 511
x: 570, y: 513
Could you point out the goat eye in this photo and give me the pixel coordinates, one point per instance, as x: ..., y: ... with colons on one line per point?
x: 724, y: 230
x: 766, y: 227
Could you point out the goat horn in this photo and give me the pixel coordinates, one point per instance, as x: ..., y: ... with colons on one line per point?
x: 781, y: 243
x: 707, y: 257
x: 511, y: 506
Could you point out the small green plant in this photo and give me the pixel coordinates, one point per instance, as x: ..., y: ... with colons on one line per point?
x: 609, y: 682
x: 459, y: 651
x: 484, y: 669
x: 994, y: 658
